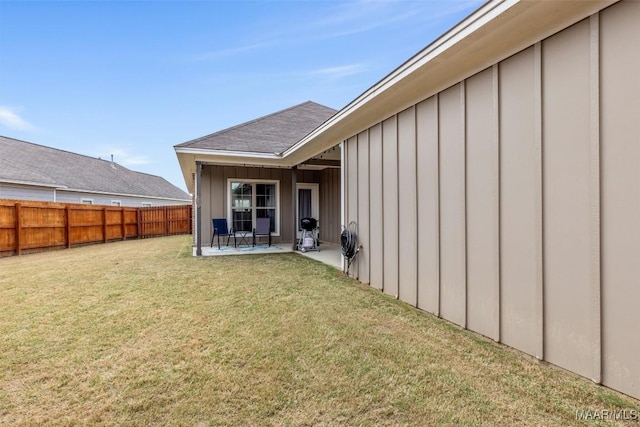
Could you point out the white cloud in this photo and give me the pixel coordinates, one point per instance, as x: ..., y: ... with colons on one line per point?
x: 10, y: 119
x: 340, y: 71
x: 222, y: 53
x: 123, y: 156
x: 371, y: 15
x: 343, y: 19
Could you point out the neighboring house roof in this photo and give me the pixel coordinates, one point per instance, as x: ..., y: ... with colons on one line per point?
x: 32, y: 164
x: 273, y: 133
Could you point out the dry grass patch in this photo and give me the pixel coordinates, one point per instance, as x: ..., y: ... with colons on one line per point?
x: 141, y: 333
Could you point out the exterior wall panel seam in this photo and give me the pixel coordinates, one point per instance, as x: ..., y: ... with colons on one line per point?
x: 438, y: 213
x: 539, y: 189
x: 382, y: 205
x: 596, y: 280
x: 415, y: 150
x: 356, y: 266
x: 369, y: 204
x: 497, y: 94
x: 343, y: 189
x: 496, y: 129
x: 397, y: 260
x: 463, y: 124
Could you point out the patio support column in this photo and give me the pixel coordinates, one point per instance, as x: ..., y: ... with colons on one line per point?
x: 294, y: 197
x: 198, y: 179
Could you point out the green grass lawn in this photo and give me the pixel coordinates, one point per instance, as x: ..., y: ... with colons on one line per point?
x: 141, y: 333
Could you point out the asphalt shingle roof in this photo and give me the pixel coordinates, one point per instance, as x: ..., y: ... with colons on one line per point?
x: 273, y: 133
x: 29, y: 163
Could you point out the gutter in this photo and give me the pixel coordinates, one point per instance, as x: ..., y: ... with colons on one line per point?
x: 229, y: 153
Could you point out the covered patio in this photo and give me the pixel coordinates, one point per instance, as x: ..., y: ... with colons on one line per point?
x: 243, y: 174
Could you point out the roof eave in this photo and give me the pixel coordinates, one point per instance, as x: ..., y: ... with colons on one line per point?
x: 497, y: 30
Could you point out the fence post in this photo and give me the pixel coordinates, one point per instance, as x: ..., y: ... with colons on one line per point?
x: 67, y: 210
x: 166, y: 221
x: 104, y: 224
x: 123, y: 226
x: 139, y: 225
x: 18, y: 228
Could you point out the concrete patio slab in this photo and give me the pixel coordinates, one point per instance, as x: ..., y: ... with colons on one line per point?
x: 329, y: 254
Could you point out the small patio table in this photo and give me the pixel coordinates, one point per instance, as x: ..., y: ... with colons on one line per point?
x: 242, y: 237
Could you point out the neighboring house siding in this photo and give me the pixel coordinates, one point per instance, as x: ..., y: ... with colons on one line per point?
x: 214, y: 197
x: 26, y: 192
x: 524, y: 232
x: 63, y: 196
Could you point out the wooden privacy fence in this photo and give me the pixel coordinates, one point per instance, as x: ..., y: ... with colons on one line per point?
x: 27, y: 226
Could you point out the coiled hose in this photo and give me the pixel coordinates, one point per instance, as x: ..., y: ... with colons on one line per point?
x: 349, y: 243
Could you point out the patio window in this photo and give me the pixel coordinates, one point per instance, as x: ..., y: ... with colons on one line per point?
x: 251, y: 199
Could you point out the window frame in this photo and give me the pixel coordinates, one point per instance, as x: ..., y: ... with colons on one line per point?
x: 254, y: 182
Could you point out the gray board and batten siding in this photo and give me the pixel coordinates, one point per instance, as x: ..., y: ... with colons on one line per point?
x: 509, y: 203
x: 214, y: 196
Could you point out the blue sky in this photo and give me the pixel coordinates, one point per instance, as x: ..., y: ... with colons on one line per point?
x: 135, y: 78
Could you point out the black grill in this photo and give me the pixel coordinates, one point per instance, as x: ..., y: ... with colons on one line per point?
x: 308, y: 224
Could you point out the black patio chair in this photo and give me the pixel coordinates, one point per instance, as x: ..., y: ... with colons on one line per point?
x: 220, y: 228
x: 263, y: 228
